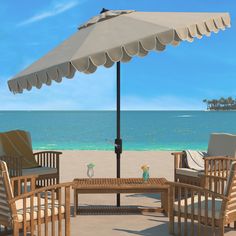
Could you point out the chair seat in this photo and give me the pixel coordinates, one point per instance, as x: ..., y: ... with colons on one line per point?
x: 218, y: 203
x: 19, y: 208
x: 189, y: 172
x: 39, y: 171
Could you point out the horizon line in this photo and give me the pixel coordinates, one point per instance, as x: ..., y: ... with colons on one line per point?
x: 103, y: 110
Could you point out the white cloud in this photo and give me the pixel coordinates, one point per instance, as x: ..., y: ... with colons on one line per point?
x: 84, y: 92
x: 90, y: 92
x: 55, y: 10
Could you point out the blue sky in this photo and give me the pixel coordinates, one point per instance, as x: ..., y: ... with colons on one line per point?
x: 179, y: 78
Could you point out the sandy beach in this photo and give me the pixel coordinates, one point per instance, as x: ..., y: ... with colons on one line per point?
x: 73, y: 165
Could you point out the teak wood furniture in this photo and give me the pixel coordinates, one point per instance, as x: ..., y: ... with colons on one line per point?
x: 48, y: 170
x: 122, y: 185
x: 39, y: 211
x: 16, y: 150
x: 213, y: 209
x: 214, y: 166
x: 220, y: 146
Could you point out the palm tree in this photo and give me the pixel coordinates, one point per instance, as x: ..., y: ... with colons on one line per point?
x: 207, y: 102
x: 214, y: 103
x: 223, y: 102
x: 231, y: 101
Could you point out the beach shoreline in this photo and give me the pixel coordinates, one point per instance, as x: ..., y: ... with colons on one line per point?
x: 140, y: 130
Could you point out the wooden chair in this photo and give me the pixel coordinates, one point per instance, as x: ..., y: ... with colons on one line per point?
x: 220, y: 146
x: 16, y: 147
x: 209, y: 208
x: 183, y: 174
x: 38, y: 211
x: 215, y: 166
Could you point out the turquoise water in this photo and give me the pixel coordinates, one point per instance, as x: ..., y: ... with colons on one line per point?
x: 141, y: 130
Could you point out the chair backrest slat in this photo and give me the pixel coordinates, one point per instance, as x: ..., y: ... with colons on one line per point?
x: 5, y: 192
x: 4, y: 207
x: 230, y: 190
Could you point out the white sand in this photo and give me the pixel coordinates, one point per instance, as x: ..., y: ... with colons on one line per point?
x: 73, y: 165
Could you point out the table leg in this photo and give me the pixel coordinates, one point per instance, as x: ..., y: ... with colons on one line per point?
x: 75, y: 202
x: 164, y: 201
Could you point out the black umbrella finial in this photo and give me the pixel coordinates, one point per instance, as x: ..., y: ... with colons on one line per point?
x: 103, y: 10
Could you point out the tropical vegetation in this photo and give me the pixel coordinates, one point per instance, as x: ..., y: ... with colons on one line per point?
x: 221, y: 104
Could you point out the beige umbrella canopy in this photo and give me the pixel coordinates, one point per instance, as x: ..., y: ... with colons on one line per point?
x: 116, y: 36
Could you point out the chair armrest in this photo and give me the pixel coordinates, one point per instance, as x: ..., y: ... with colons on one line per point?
x: 43, y: 190
x: 194, y: 198
x: 177, y: 153
x: 43, y: 199
x: 20, y: 184
x: 196, y: 189
x: 178, y: 159
x: 48, y: 159
x: 47, y: 152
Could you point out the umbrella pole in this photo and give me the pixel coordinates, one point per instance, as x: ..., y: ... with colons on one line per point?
x: 118, y: 141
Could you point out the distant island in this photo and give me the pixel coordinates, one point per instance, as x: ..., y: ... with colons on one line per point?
x: 222, y: 104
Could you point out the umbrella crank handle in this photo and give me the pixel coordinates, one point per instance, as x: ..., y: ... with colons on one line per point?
x: 118, y: 145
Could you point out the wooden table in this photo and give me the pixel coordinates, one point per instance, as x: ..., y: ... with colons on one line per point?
x: 122, y: 185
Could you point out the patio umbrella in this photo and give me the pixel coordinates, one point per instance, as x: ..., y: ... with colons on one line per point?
x: 116, y: 36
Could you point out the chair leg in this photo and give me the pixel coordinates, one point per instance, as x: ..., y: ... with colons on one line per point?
x: 171, y: 214
x: 67, y: 212
x: 15, y: 230
x: 171, y: 223
x: 221, y: 228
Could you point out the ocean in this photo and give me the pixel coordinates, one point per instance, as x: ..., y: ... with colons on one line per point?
x: 140, y: 130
